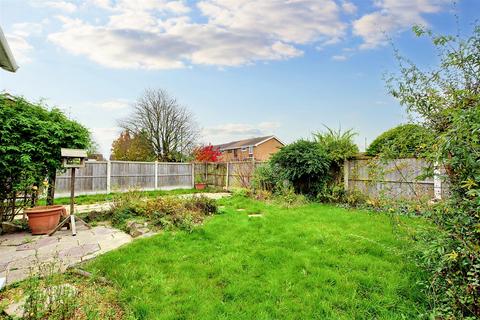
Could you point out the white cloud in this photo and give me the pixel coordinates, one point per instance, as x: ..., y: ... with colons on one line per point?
x: 289, y: 21
x: 160, y: 35
x: 20, y: 48
x: 339, y: 57
x: 349, y: 7
x: 236, y: 131
x: 112, y: 105
x: 393, y: 16
x: 18, y: 40
x: 61, y: 5
x: 104, y: 136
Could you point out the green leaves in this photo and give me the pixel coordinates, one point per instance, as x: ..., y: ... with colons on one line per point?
x: 30, y: 140
x: 339, y: 145
x: 305, y: 164
x: 403, y: 141
x: 447, y: 99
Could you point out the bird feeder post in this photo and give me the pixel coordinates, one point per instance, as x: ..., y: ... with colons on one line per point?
x: 72, y: 202
x: 73, y: 159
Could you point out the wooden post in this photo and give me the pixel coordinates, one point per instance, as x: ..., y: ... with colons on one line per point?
x: 227, y: 177
x: 72, y: 203
x: 156, y: 175
x: 72, y: 217
x: 109, y: 176
x: 206, y: 173
x: 72, y: 191
x: 346, y: 170
x: 193, y: 174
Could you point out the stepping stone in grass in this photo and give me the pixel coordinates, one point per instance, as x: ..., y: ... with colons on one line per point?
x: 255, y: 215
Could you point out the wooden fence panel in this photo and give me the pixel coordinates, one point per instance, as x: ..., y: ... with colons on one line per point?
x: 398, y: 178
x: 124, y: 176
x: 174, y: 175
x: 216, y: 174
x: 132, y: 175
x: 241, y: 173
x: 88, y: 180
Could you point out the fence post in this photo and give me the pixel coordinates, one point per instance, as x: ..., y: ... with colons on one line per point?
x: 227, y: 176
x: 193, y: 174
x: 109, y: 176
x: 206, y: 172
x: 156, y: 175
x: 346, y: 169
x: 437, y: 182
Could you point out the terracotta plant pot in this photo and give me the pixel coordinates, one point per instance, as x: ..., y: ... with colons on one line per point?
x: 44, y: 219
x: 200, y: 186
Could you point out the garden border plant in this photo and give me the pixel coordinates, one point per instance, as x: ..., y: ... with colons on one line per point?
x: 312, y: 168
x: 30, y: 140
x: 447, y: 98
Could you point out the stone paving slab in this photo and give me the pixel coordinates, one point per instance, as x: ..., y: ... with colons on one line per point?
x: 21, y: 254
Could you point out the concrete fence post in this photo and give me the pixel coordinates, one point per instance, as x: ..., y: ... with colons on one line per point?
x: 437, y: 182
x: 109, y: 176
x: 227, y: 176
x: 156, y: 175
x: 193, y: 174
x: 346, y: 169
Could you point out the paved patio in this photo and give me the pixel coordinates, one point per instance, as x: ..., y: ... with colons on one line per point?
x: 20, y: 253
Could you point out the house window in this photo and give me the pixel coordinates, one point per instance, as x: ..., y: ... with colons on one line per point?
x: 250, y: 150
x: 244, y: 149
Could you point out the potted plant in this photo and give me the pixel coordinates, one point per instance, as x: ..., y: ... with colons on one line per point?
x: 43, y: 219
x: 200, y: 184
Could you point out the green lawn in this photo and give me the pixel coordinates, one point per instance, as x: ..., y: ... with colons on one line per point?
x: 97, y: 198
x: 311, y: 262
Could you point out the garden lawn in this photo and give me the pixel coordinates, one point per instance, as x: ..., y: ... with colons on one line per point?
x: 310, y: 262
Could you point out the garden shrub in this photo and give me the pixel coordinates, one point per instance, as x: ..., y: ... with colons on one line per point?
x: 403, y: 141
x: 262, y: 195
x: 205, y: 205
x: 305, y: 164
x: 31, y: 137
x: 338, y: 145
x: 313, y: 168
x: 286, y: 197
x: 242, y: 192
x: 266, y: 178
x: 166, y: 212
x: 447, y: 98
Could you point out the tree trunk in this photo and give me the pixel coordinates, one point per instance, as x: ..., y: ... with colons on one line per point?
x: 51, y: 188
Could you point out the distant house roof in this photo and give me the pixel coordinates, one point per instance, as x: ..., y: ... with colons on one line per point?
x: 252, y: 142
x: 7, y: 61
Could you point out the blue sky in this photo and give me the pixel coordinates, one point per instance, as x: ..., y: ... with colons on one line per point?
x: 243, y: 67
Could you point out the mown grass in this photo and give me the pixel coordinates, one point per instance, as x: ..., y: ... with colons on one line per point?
x: 98, y: 198
x: 311, y: 262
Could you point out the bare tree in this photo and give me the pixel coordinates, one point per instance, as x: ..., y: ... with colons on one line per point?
x: 168, y: 126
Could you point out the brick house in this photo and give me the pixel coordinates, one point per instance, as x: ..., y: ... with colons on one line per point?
x: 259, y: 149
